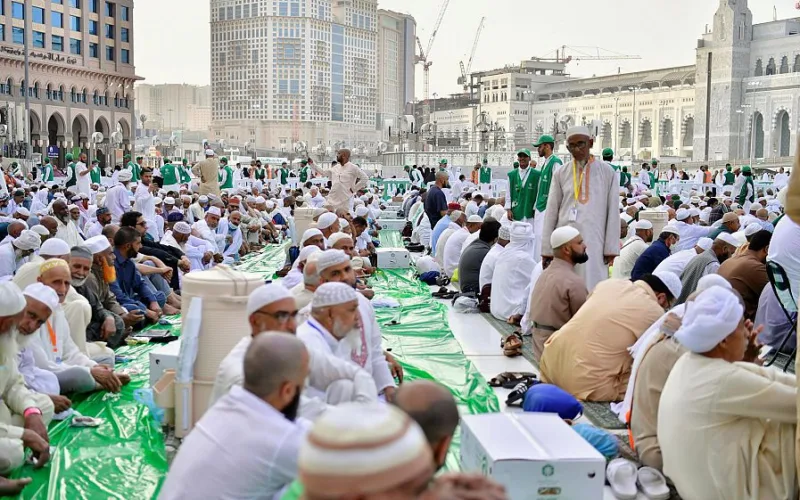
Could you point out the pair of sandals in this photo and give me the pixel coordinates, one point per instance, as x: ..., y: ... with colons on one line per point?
x: 444, y: 293
x: 627, y: 481
x: 512, y: 345
x: 509, y: 380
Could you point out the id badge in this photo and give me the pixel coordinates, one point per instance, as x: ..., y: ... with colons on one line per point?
x: 573, y: 214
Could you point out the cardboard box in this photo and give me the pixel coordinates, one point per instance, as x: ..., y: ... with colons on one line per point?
x: 392, y: 224
x: 164, y: 358
x: 536, y: 456
x: 393, y: 258
x: 397, y: 199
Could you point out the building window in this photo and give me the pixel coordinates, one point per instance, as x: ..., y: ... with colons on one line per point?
x: 93, y: 51
x: 283, y: 9
x: 18, y: 35
x: 75, y: 46
x: 109, y: 53
x: 110, y: 31
x: 38, y: 39
x: 95, y: 100
x: 124, y: 34
x: 38, y: 15
x: 17, y: 10
x: 109, y: 9
x: 59, y: 2
x: 57, y: 43
x: 2, y: 32
x: 75, y: 4
x: 56, y: 19
x: 126, y: 13
x: 126, y: 56
x: 93, y: 6
x: 75, y: 23
x: 92, y: 27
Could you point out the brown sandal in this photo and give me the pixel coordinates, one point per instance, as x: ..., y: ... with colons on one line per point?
x: 512, y: 346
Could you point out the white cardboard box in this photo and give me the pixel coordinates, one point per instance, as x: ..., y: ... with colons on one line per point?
x: 536, y: 456
x: 162, y: 358
x: 393, y: 258
x: 392, y: 224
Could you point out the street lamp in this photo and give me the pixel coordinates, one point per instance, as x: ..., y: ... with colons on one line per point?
x: 633, y: 132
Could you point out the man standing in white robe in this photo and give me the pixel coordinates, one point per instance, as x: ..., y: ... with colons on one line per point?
x: 145, y: 202
x: 584, y: 194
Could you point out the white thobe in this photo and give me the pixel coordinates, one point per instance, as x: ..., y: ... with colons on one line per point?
x: 194, y: 249
x: 644, y: 178
x: 472, y: 209
x: 118, y: 201
x: 145, y: 202
x: 690, y: 234
x: 241, y: 448
x: 93, y: 229
x: 416, y: 178
x: 488, y: 265
x: 784, y: 249
x: 315, y: 201
x: 210, y: 235
x: 676, y: 262
x: 631, y: 250
x: 525, y: 323
x: 511, y: 278
x: 230, y: 250
x: 65, y: 353
x: 452, y: 251
x: 780, y: 181
x: 346, y: 180
x: 83, y: 182
x: 68, y: 232
x: 9, y: 262
x: 442, y: 242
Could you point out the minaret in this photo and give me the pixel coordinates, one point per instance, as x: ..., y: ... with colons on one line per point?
x: 723, y: 61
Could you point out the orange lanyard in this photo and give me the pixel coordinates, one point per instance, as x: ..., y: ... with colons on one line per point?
x: 52, y: 332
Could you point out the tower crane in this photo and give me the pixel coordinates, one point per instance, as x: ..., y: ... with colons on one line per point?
x: 465, y: 71
x: 425, y: 54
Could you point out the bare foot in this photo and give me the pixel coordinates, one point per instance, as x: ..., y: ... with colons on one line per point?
x: 168, y: 310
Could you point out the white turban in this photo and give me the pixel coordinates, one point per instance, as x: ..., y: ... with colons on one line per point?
x: 182, y: 227
x: 40, y: 230
x: 260, y: 200
x: 335, y: 237
x: 343, y: 223
x: 643, y: 225
x: 124, y: 176
x: 705, y: 243
x: 710, y: 280
x: 266, y: 295
x: 214, y: 211
x: 563, y: 235
x: 521, y: 231
x: 361, y: 211
x: 43, y: 294
x: 270, y: 205
x: 333, y: 294
x: 310, y: 233
x: 305, y: 253
x: 12, y: 302
x: 95, y: 244
x: 671, y: 281
x: 28, y: 240
x: 682, y: 214
x: 752, y: 229
x: 578, y: 130
x: 209, y: 152
x: 202, y: 199
x: 330, y: 258
x: 709, y: 319
x: 22, y: 211
x: 729, y: 239
x: 169, y: 200
x: 56, y: 246
x: 326, y: 220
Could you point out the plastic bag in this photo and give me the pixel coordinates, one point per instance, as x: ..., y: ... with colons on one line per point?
x: 466, y: 305
x: 145, y: 397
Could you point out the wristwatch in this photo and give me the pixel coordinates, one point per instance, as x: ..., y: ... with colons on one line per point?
x: 32, y: 411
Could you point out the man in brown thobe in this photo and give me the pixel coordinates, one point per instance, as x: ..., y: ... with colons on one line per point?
x: 208, y: 170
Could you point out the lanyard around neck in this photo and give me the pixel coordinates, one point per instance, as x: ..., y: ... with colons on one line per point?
x: 577, y: 184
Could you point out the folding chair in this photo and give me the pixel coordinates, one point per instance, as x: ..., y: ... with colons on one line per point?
x: 782, y: 288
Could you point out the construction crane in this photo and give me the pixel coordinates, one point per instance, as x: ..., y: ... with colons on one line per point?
x: 425, y: 54
x: 465, y: 71
x: 582, y: 55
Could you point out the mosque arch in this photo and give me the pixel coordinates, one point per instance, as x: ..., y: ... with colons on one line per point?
x: 757, y: 131
x: 35, y: 126
x: 80, y: 130
x: 759, y: 71
x: 784, y: 65
x: 783, y: 133
x: 688, y: 131
x: 625, y: 134
x: 667, y: 135
x: 796, y: 67
x: 771, y: 68
x: 519, y: 135
x: 645, y: 133
x: 606, y: 135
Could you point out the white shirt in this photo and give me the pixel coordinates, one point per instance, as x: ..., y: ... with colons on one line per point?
x: 472, y: 209
x: 242, y: 448
x: 118, y: 202
x: 8, y: 261
x: 623, y: 265
x: 315, y: 201
x: 145, y: 202
x: 68, y: 232
x: 452, y: 251
x: 487, y: 266
x: 689, y: 234
x: 784, y: 248
x: 676, y: 262
x: 83, y: 181
x: 65, y: 354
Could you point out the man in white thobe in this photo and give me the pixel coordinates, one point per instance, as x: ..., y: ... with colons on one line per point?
x: 457, y: 219
x: 118, y: 199
x: 584, y: 194
x: 632, y: 249
x: 455, y: 243
x: 346, y: 180
x: 512, y: 274
x: 67, y: 229
x: 688, y: 231
x: 84, y: 180
x: 490, y: 261
x: 145, y: 202
x: 15, y: 254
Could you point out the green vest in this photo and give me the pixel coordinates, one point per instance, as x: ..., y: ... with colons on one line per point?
x: 304, y: 174
x: 47, y: 172
x: 72, y: 175
x: 284, y: 175
x: 168, y: 174
x: 135, y: 171
x: 652, y: 179
x: 743, y: 197
x: 624, y: 178
x: 95, y: 174
x: 544, y: 182
x: 615, y: 167
x: 523, y: 198
x: 183, y: 173
x: 260, y: 174
x: 729, y: 179
x: 485, y: 176
x: 229, y: 178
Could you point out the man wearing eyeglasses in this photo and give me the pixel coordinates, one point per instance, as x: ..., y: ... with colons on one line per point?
x: 584, y: 194
x: 272, y: 308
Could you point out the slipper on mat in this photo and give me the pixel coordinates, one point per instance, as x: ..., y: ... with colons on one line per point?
x: 652, y: 483
x: 509, y: 380
x: 621, y: 476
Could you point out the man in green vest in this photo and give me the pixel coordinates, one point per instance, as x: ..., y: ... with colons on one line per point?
x: 523, y: 186
x: 729, y: 177
x: 170, y: 176
x: 653, y: 175
x: 72, y: 175
x: 747, y: 195
x: 624, y: 177
x: 225, y: 176
x: 304, y: 171
x: 608, y: 157
x: 135, y: 168
x: 551, y: 162
x: 260, y: 173
x: 183, y: 172
x: 284, y: 174
x: 94, y: 173
x: 485, y: 176
x: 47, y: 171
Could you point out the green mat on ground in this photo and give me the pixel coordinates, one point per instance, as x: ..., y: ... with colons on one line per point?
x: 391, y: 239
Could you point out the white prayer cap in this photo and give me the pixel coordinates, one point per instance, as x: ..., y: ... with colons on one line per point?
x: 644, y: 224
x: 729, y: 239
x: 202, y: 199
x: 505, y: 233
x: 671, y: 281
x: 709, y: 319
x: 578, y: 130
x: 40, y: 230
x: 57, y: 247
x: 671, y: 228
x: 28, y: 240
x: 124, y: 176
x: 74, y: 207
x: 326, y: 220
x: 43, y: 294
x: 682, y: 214
x: 694, y: 212
x: 710, y: 280
x: 12, y: 302
x: 330, y: 258
x: 169, y: 200
x: 521, y: 231
x: 563, y: 235
x: 427, y: 264
x: 627, y: 218
x: 361, y: 211
x: 270, y: 204
x: 250, y: 199
x: 186, y: 197
x: 365, y: 197
x: 209, y: 152
x: 310, y: 233
x: 318, y: 212
x: 631, y: 201
x: 182, y: 227
x: 214, y: 211
x: 307, y: 252
x: 705, y: 243
x: 158, y: 201
x: 455, y: 215
x: 362, y: 449
x: 752, y: 228
x: 95, y: 244
x: 22, y: 211
x: 475, y: 219
x: 260, y: 200
x: 756, y: 206
x: 333, y: 294
x: 266, y: 295
x: 335, y: 237
x: 343, y: 223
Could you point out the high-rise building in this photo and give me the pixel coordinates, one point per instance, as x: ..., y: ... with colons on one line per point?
x: 285, y: 71
x: 81, y: 76
x: 170, y: 107
x: 396, y: 50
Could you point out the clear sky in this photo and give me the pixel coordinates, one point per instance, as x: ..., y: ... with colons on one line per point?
x: 172, y: 36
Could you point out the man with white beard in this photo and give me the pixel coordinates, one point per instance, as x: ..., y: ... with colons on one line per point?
x: 24, y: 415
x: 199, y: 251
x: 15, y: 254
x: 67, y: 229
x: 208, y: 226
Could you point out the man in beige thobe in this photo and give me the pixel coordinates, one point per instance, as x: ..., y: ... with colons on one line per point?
x: 207, y: 171
x: 346, y: 180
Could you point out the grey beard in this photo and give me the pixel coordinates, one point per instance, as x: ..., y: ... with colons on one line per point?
x: 580, y: 163
x: 79, y: 282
